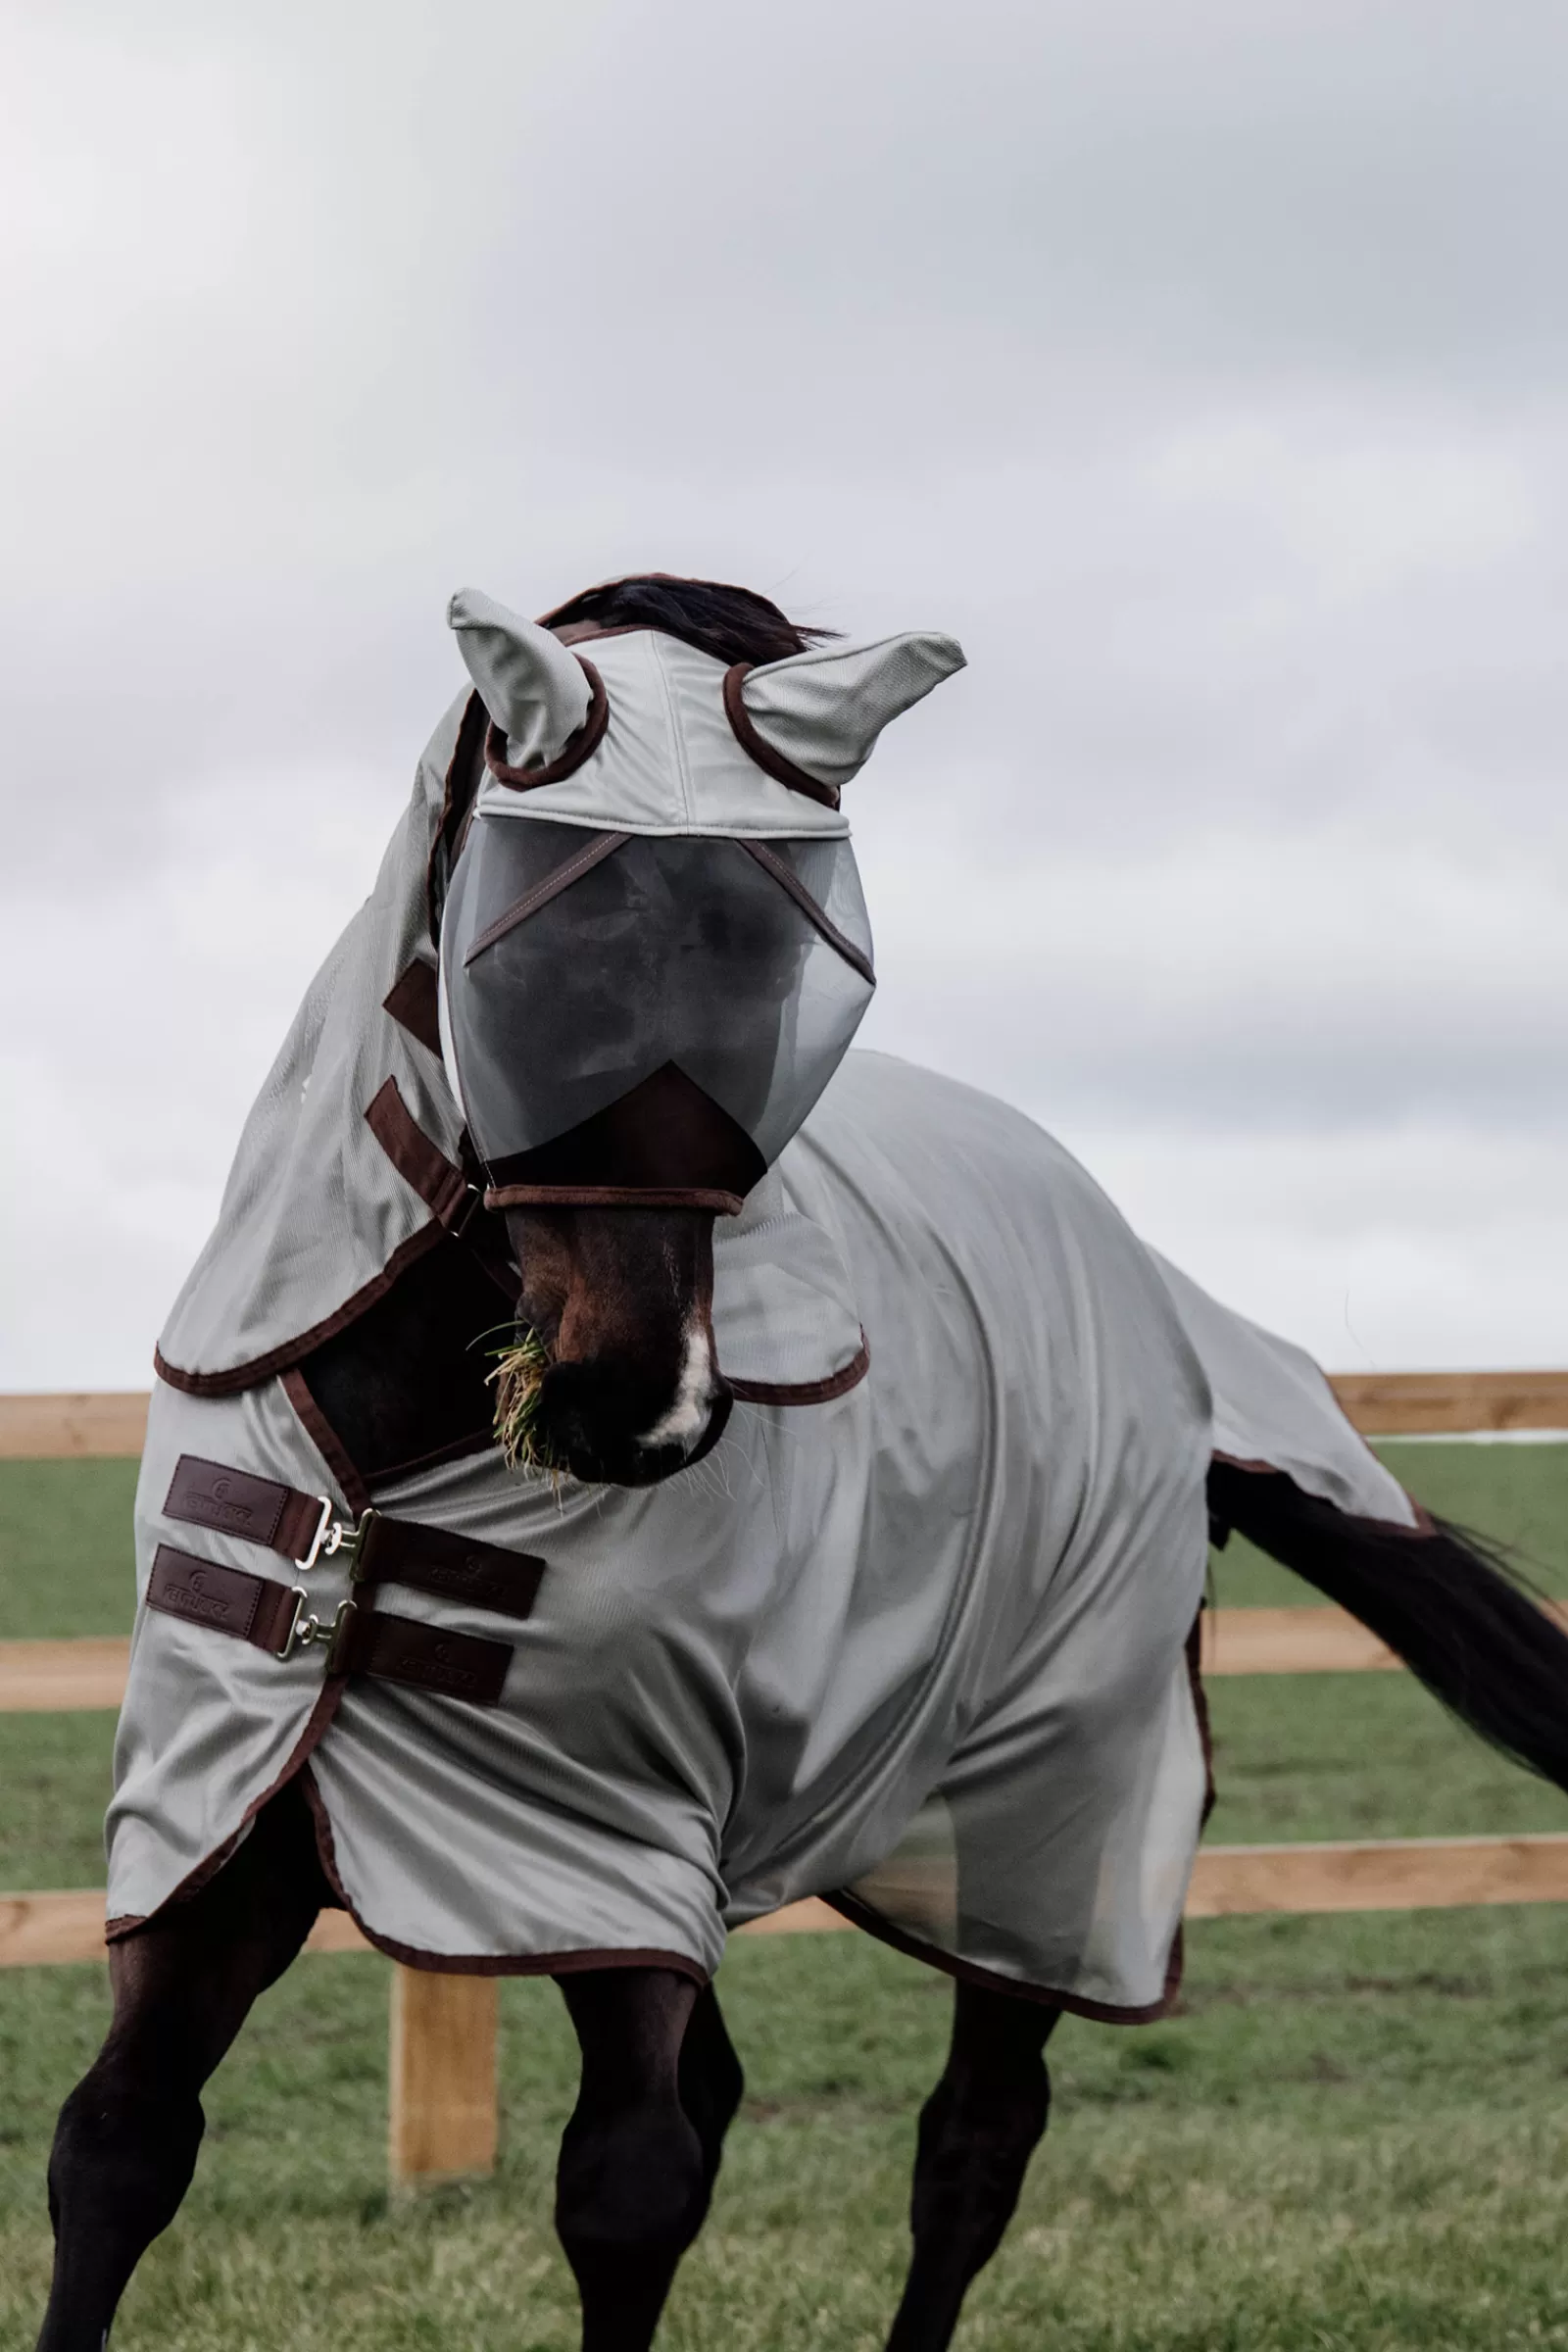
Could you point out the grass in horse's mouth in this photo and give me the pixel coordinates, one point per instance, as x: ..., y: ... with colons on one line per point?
x: 516, y: 1379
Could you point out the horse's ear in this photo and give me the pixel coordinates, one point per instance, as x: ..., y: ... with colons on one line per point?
x: 531, y: 685
x: 824, y: 709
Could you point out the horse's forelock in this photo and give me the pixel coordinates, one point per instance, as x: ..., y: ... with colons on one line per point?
x: 732, y: 624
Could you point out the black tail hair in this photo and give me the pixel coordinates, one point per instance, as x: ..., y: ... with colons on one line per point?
x: 1442, y: 1601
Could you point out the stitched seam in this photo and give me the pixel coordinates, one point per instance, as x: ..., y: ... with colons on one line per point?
x: 543, y: 892
x: 790, y: 882
x: 677, y: 732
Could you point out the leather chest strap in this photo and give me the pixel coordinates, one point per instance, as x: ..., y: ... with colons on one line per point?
x: 253, y: 1608
x: 431, y: 1559
x: 269, y: 1616
x: 300, y: 1528
x: 258, y: 1510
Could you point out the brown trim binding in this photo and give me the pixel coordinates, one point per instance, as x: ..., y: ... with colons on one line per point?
x: 1425, y: 1524
x: 787, y: 878
x: 543, y: 892
x: 420, y: 1163
x: 579, y: 746
x: 806, y: 1392
x: 456, y: 1449
x: 278, y: 1359
x: 1100, y: 2013
x: 423, y: 1166
x: 328, y: 1444
x: 614, y: 1196
x: 412, y: 1001
x: 967, y: 1972
x: 478, y: 1964
x: 665, y: 1136
x: 316, y: 1725
x: 462, y: 765
x: 758, y: 747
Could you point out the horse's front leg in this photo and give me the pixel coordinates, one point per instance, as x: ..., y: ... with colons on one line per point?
x: 636, y: 2167
x: 711, y: 2081
x: 127, y: 2141
x: 978, y: 2129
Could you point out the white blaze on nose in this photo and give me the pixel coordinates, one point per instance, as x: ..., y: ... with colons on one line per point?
x: 687, y: 1416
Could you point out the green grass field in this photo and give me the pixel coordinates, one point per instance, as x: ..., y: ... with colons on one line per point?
x: 1354, y: 2134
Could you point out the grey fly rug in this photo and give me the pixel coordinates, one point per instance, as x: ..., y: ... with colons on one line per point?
x: 915, y: 1637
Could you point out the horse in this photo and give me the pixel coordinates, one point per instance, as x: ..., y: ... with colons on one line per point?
x: 849, y: 1528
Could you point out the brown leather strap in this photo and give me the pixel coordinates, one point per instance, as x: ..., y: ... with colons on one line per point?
x: 261, y: 1612
x: 391, y: 1551
x: 423, y: 1166
x: 614, y: 1196
x: 453, y: 1567
x: 414, y: 1000
x: 400, y: 1649
x: 258, y: 1510
x: 253, y: 1608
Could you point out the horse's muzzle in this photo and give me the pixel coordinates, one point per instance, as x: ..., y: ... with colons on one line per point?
x: 594, y: 1421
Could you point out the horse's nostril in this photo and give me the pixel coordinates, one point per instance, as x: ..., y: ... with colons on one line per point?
x: 590, y: 1409
x: 594, y: 1420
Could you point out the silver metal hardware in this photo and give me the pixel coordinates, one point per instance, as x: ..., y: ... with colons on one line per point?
x: 334, y: 1535
x: 305, y: 1629
x: 301, y: 1596
x: 461, y: 1222
x: 307, y: 1559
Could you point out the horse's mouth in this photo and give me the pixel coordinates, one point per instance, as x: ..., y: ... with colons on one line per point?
x: 636, y: 1463
x: 625, y: 1466
x: 551, y: 1420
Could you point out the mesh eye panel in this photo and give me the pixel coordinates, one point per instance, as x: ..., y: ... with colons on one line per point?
x: 681, y: 950
x: 827, y: 870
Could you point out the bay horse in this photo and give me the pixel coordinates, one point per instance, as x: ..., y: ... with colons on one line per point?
x: 868, y: 1467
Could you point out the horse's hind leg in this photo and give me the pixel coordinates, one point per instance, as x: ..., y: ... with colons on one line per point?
x: 978, y: 2129
x: 127, y: 2141
x: 636, y: 2169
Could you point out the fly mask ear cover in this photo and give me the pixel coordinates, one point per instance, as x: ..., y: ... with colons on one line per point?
x: 654, y: 951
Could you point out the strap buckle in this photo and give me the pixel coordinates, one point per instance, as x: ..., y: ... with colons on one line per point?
x: 306, y: 1630
x: 334, y: 1535
x: 464, y: 1216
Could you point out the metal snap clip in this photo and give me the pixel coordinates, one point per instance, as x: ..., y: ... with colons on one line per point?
x: 305, y: 1629
x: 334, y: 1535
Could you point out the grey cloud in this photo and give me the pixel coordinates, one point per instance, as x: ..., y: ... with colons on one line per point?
x: 1201, y: 368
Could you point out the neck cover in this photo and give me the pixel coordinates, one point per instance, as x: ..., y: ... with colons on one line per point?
x: 655, y: 950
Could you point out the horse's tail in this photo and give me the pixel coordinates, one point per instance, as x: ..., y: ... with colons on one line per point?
x: 1440, y: 1599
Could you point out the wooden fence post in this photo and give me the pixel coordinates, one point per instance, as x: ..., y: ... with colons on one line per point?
x: 442, y: 2089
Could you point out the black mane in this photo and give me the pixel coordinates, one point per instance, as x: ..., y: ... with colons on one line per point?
x: 733, y: 624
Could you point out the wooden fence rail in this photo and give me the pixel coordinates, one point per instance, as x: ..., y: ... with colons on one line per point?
x: 49, y: 1677
x: 442, y: 2070
x: 1367, y: 1874
x: 1381, y: 1404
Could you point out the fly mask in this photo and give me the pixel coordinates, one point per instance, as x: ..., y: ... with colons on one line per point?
x: 653, y: 955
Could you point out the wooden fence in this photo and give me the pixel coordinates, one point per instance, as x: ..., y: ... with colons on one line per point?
x: 442, y: 2073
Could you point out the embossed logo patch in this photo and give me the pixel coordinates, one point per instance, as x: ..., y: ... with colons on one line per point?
x: 211, y: 1494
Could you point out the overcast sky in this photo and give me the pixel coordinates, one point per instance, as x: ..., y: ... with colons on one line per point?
x: 1203, y: 368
